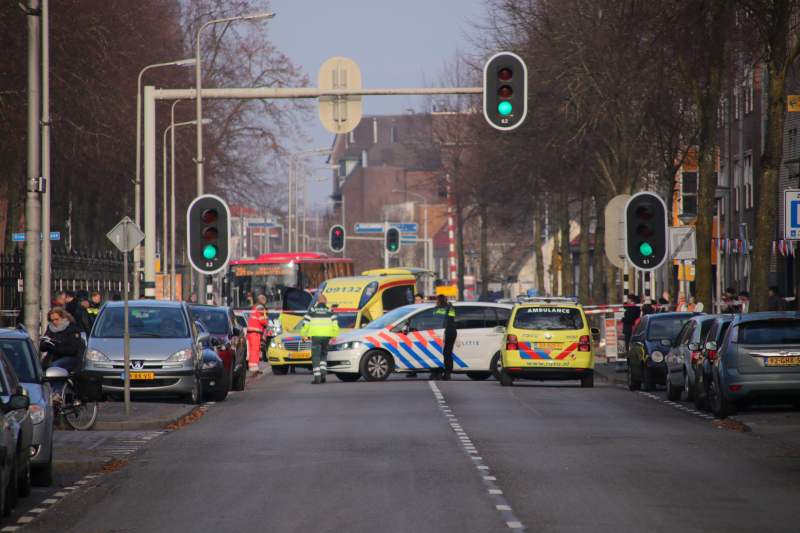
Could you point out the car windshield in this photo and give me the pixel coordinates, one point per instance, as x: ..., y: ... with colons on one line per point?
x: 665, y: 327
x: 347, y: 320
x: 389, y: 318
x: 778, y: 332
x: 215, y: 320
x: 548, y: 318
x: 143, y: 321
x: 21, y: 357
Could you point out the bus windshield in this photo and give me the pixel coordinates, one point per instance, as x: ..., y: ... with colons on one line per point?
x: 249, y: 281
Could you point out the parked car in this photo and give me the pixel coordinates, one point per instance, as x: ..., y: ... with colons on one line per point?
x: 164, y: 349
x: 683, y: 356
x: 708, y: 353
x: 758, y: 363
x: 232, y: 349
x: 217, y: 380
x: 22, y: 428
x: 651, y: 339
x: 11, y: 456
x: 17, y: 346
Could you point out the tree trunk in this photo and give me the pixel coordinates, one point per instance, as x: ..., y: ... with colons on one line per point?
x: 484, y: 257
x: 583, y: 282
x: 537, y: 245
x: 599, y: 255
x: 566, y: 258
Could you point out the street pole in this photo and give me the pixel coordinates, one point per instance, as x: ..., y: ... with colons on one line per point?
x: 427, y: 257
x: 33, y: 220
x: 317, y: 151
x: 149, y: 194
x: 385, y: 251
x: 46, y: 249
x: 127, y: 336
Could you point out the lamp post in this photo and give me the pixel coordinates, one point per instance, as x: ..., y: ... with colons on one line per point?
x: 427, y: 255
x: 305, y: 237
x: 720, y: 193
x: 138, y: 183
x: 686, y: 219
x: 314, y: 151
x: 199, y: 82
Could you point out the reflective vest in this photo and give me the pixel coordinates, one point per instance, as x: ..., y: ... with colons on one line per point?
x: 449, y: 316
x: 257, y: 321
x: 320, y: 321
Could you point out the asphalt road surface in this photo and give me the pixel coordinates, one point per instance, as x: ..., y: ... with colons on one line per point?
x: 412, y: 455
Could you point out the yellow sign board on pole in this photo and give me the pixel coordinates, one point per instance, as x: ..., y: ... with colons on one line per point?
x: 689, y: 272
x: 451, y: 291
x: 793, y: 102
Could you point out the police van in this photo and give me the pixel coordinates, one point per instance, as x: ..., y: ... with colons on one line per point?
x: 548, y: 339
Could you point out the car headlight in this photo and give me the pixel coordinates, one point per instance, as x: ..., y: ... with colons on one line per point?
x: 273, y: 344
x: 213, y: 363
x: 280, y: 346
x: 179, y: 357
x: 37, y: 414
x: 350, y: 345
x: 94, y: 355
x: 657, y: 356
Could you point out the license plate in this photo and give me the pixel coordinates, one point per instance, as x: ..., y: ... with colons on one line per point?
x: 301, y: 355
x: 547, y: 345
x: 140, y: 375
x: 782, y: 361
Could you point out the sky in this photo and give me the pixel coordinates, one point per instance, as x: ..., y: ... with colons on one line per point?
x: 396, y: 44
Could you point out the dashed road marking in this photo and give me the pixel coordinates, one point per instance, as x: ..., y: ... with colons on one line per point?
x: 500, y: 503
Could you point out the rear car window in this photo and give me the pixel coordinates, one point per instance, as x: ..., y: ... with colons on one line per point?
x: 395, y: 297
x: 665, y: 327
x: 548, y: 318
x: 469, y: 317
x: 215, y: 320
x: 770, y: 332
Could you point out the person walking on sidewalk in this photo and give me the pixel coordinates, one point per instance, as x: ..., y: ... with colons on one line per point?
x: 255, y: 329
x: 448, y: 314
x: 322, y: 326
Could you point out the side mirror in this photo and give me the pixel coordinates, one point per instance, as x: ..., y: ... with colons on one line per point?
x: 237, y: 331
x: 595, y: 332
x: 666, y: 342
x: 694, y: 346
x: 711, y: 346
x: 216, y: 342
x: 498, y: 329
x: 55, y: 373
x: 203, y: 337
x: 18, y: 401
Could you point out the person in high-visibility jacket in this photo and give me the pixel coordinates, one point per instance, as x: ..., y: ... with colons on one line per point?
x: 255, y: 329
x: 320, y: 323
x: 448, y: 314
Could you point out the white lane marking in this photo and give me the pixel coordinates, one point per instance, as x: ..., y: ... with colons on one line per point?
x: 500, y: 503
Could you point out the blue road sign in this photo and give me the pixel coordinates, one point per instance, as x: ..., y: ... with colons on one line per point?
x: 369, y: 227
x: 20, y: 237
x: 406, y: 227
x: 271, y: 223
x: 408, y: 239
x: 791, y: 214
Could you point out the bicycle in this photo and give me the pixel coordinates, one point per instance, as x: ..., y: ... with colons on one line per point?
x: 75, y: 408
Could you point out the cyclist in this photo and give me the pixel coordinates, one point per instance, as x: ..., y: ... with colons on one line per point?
x: 62, y: 343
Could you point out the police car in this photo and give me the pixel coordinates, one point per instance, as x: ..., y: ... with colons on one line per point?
x: 548, y: 339
x: 411, y: 338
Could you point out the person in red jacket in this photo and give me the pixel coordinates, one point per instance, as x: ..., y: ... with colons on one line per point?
x: 255, y: 329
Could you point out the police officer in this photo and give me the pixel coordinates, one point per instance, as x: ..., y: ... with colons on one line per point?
x: 448, y: 314
x: 94, y: 306
x: 321, y: 324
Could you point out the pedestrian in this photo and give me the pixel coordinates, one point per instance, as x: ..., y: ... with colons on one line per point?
x: 116, y: 297
x: 71, y: 302
x: 647, y: 309
x: 59, y: 299
x: 255, y: 330
x: 142, y: 297
x: 192, y: 299
x: 94, y: 306
x: 663, y: 305
x: 419, y: 299
x: 82, y: 317
x: 730, y: 299
x: 62, y: 343
x: 322, y: 326
x: 629, y: 318
x: 448, y: 314
x: 775, y: 302
x: 744, y: 297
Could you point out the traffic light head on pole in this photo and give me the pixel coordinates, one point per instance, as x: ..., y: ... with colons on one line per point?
x: 392, y: 240
x: 646, y: 231
x: 208, y: 227
x: 337, y: 238
x: 505, y: 91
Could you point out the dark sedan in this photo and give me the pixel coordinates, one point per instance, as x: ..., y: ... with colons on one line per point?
x: 221, y: 324
x: 708, y: 353
x: 651, y: 339
x: 683, y: 356
x: 216, y: 378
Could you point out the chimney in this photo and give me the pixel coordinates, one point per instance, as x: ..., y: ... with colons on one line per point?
x: 364, y: 158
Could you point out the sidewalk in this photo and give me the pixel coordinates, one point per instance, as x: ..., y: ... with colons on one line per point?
x: 144, y: 415
x: 608, y: 372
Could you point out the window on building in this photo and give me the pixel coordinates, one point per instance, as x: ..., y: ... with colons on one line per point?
x: 736, y: 184
x: 748, y: 181
x: 689, y: 192
x: 747, y: 89
x: 394, y: 134
x: 794, y: 151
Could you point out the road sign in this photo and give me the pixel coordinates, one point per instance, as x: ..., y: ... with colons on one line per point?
x: 793, y: 102
x: 129, y: 227
x: 791, y: 214
x: 408, y: 239
x: 369, y: 227
x: 339, y: 114
x: 405, y: 227
x: 20, y: 237
x: 271, y: 223
x: 688, y: 268
x: 682, y: 243
x: 615, y: 230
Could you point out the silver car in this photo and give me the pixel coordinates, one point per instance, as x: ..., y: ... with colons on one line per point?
x: 166, y: 356
x: 683, y: 356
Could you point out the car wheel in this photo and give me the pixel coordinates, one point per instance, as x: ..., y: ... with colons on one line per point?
x: 699, y: 399
x: 348, y: 377
x: 506, y: 380
x: 496, y: 365
x: 11, y: 492
x: 721, y: 407
x: 587, y: 382
x: 649, y: 381
x: 196, y: 395
x: 479, y: 376
x: 688, y: 387
x: 673, y: 394
x: 280, y: 370
x: 43, y: 475
x: 224, y: 386
x: 24, y: 480
x: 633, y: 383
x: 241, y: 380
x: 376, y: 365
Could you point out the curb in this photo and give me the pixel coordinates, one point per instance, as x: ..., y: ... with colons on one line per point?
x: 614, y: 380
x: 81, y: 465
x: 738, y: 420
x: 138, y: 425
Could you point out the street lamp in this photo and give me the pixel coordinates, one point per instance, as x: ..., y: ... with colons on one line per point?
x: 325, y: 151
x: 319, y: 151
x: 305, y: 237
x: 426, y: 253
x: 138, y: 183
x: 199, y: 82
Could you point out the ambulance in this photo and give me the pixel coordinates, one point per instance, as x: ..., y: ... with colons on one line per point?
x: 548, y: 339
x: 357, y: 300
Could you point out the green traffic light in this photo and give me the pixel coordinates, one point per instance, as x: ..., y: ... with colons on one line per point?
x: 210, y: 252
x: 645, y: 249
x: 505, y: 108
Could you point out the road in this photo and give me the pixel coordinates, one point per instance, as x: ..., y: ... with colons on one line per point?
x: 413, y: 455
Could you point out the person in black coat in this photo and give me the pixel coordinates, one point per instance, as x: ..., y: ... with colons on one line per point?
x: 629, y: 318
x: 62, y: 343
x: 81, y: 315
x: 446, y: 311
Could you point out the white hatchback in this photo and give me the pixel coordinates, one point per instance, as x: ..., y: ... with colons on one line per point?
x: 410, y: 339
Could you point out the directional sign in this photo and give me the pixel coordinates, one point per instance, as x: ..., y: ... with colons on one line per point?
x: 271, y: 223
x: 791, y: 214
x: 682, y: 243
x: 405, y: 227
x: 793, y: 102
x: 369, y: 227
x: 135, y: 235
x: 20, y: 237
x: 339, y: 114
x: 409, y: 239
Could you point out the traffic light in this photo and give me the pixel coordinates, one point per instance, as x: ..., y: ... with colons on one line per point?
x: 393, y: 240
x: 337, y: 238
x: 505, y: 91
x: 208, y: 234
x: 646, y: 231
